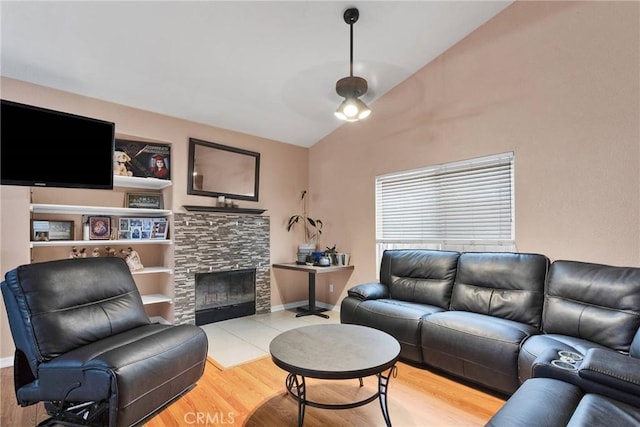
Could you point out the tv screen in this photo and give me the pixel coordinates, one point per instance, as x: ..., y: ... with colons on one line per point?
x: 47, y: 148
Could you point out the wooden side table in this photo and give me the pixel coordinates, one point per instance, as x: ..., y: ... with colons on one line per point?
x: 312, y: 270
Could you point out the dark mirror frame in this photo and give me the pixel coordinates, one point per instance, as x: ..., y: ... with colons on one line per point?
x: 211, y: 192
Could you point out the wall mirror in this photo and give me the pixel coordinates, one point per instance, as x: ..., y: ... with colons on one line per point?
x: 218, y: 170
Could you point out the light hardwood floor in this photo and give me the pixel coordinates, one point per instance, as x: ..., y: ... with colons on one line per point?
x: 253, y: 394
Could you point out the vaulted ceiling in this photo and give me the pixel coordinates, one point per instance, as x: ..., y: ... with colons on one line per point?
x: 266, y: 68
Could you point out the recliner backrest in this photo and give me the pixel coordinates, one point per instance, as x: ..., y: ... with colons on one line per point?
x: 420, y: 275
x: 501, y: 284
x: 65, y: 304
x: 599, y: 303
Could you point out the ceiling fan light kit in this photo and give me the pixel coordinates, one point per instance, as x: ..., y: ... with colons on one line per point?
x: 352, y: 88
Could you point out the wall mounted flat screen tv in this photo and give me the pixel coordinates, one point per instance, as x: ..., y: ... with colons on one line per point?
x: 46, y: 148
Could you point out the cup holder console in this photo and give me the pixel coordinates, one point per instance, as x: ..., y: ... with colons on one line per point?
x: 568, y: 360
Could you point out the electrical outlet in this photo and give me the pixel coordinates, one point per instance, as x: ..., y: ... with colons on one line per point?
x: 331, y: 288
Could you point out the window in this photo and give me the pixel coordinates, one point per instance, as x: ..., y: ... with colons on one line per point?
x: 465, y: 206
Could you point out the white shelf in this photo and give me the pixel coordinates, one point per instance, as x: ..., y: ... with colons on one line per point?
x: 138, y: 182
x: 155, y: 299
x: 129, y: 242
x: 97, y: 210
x: 154, y: 270
x: 159, y: 319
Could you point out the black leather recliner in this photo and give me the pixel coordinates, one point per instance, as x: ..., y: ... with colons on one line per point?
x: 85, y: 346
x: 586, y: 306
x: 603, y: 390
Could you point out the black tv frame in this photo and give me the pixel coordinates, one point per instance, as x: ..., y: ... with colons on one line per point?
x: 30, y: 156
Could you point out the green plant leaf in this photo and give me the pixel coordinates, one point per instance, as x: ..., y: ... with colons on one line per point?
x: 292, y: 221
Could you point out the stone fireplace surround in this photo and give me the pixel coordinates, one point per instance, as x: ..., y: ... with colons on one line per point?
x: 206, y: 242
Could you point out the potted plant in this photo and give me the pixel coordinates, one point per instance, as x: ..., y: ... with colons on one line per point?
x: 332, y: 253
x: 312, y: 228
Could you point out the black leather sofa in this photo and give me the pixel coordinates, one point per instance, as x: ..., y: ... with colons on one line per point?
x: 490, y: 318
x: 85, y: 346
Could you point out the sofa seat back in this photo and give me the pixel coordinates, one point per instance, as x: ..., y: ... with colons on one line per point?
x: 595, y: 302
x: 506, y: 285
x: 421, y: 276
x: 67, y: 304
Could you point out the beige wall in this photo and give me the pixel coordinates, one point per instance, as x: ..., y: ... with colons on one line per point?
x: 555, y: 82
x: 283, y: 174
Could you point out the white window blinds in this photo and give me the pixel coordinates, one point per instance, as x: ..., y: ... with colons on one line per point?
x: 469, y: 201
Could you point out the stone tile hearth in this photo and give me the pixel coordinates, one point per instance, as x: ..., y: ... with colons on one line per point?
x: 206, y: 242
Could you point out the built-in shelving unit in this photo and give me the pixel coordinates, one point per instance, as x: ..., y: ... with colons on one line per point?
x: 157, y: 293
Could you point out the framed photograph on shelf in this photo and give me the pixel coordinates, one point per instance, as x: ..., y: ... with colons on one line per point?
x: 99, y: 228
x: 159, y: 228
x: 143, y: 228
x: 45, y: 230
x: 144, y: 201
x: 143, y: 159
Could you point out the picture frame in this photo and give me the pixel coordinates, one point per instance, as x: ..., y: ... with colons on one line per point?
x: 49, y: 230
x: 142, y: 159
x: 99, y: 228
x: 143, y: 228
x: 144, y: 200
x: 159, y: 228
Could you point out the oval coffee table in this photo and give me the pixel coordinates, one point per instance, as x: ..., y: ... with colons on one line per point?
x: 335, y: 352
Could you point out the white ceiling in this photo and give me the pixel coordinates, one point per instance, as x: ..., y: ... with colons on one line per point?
x: 266, y: 68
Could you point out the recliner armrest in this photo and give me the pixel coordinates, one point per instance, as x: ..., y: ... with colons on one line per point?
x: 368, y: 291
x: 612, y: 369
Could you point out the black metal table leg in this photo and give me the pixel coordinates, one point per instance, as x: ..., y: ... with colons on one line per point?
x: 383, y: 383
x: 312, y: 309
x: 300, y: 394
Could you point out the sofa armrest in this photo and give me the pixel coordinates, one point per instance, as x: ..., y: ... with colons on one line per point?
x: 367, y: 291
x: 612, y: 369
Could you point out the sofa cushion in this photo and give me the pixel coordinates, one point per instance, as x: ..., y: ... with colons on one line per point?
x: 400, y: 319
x: 505, y: 285
x: 480, y: 348
x: 599, y: 303
x: 422, y: 276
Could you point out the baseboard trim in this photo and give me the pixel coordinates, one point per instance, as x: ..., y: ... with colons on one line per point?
x: 6, y: 362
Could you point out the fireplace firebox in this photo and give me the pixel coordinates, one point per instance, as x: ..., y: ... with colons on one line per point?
x: 222, y: 295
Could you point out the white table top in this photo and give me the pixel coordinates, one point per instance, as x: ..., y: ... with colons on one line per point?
x: 312, y: 268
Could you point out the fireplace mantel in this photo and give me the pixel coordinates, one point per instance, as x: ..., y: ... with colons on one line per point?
x: 197, y: 208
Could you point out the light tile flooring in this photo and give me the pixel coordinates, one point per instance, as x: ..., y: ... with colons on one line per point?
x: 236, y: 341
